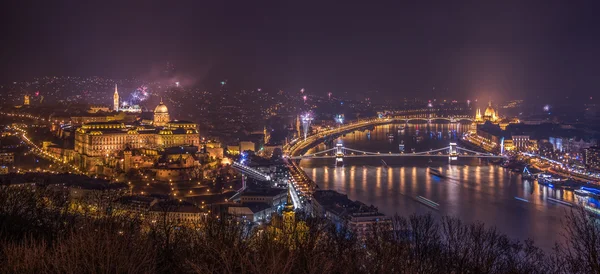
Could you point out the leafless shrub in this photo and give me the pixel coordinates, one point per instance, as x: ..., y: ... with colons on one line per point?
x: 580, y: 252
x: 39, y: 235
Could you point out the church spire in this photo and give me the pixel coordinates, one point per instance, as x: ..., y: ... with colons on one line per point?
x: 289, y: 205
x: 116, y: 99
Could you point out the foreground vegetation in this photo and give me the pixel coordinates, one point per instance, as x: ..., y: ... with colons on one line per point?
x: 38, y: 234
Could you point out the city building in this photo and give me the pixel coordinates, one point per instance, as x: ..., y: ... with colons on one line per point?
x: 96, y: 140
x: 26, y: 100
x: 272, y: 149
x: 176, y: 211
x: 213, y: 149
x: 490, y: 114
x: 98, y: 108
x: 233, y: 149
x: 592, y: 158
x: 7, y: 158
x: 274, y: 197
x: 251, y: 212
x: 520, y: 142
x: 570, y: 144
x: 491, y: 136
x: 247, y: 146
x: 130, y: 108
x: 80, y: 119
x: 137, y: 204
x: 339, y: 209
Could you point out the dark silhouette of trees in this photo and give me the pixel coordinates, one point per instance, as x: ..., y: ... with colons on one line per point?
x: 39, y: 234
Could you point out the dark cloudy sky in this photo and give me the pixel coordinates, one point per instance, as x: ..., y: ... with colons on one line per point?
x: 402, y: 48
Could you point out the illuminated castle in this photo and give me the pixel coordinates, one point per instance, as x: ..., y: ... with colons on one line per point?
x: 96, y: 140
x: 490, y: 114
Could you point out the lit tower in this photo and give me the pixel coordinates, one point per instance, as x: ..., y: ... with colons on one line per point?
x: 266, y: 135
x: 289, y: 216
x: 26, y: 100
x: 452, y: 151
x: 478, y: 117
x: 116, y: 99
x: 339, y: 153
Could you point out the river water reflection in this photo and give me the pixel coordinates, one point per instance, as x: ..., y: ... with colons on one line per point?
x: 474, y: 190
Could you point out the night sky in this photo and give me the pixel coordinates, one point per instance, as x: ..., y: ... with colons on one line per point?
x: 469, y: 49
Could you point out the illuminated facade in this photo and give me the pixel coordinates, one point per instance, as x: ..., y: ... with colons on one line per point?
x: 520, y: 142
x: 490, y: 114
x: 116, y: 99
x: 96, y: 140
x: 592, y: 158
x: 7, y: 158
x: 161, y: 115
x: 286, y: 228
x: 130, y: 108
x: 26, y: 100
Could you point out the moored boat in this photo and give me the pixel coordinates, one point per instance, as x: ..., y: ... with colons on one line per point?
x: 587, y: 192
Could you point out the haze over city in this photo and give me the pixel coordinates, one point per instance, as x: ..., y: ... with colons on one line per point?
x: 480, y: 49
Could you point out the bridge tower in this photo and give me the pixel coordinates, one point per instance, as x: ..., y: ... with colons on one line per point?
x: 452, y: 151
x: 339, y: 153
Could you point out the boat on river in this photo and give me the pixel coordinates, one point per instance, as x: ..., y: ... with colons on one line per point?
x: 436, y: 172
x: 587, y: 192
x: 555, y: 182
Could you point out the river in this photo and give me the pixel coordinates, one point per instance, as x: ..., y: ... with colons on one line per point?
x: 474, y: 190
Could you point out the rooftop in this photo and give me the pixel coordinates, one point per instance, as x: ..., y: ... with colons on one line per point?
x: 175, y: 206
x: 255, y: 207
x: 263, y: 192
x: 342, y: 206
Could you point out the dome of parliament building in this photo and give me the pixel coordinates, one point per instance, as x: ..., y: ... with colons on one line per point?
x: 490, y: 114
x: 489, y: 111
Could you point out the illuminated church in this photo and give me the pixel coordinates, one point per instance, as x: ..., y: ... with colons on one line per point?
x: 96, y: 140
x: 490, y: 114
x: 286, y: 228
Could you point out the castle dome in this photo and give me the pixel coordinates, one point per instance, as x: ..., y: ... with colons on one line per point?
x: 161, y: 108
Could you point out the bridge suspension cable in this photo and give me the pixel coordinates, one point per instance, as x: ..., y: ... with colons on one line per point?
x: 321, y: 152
x: 435, y: 150
x: 358, y: 151
x: 472, y: 151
